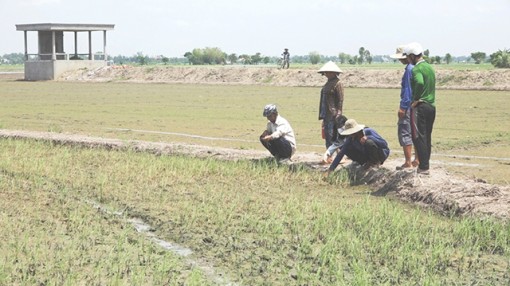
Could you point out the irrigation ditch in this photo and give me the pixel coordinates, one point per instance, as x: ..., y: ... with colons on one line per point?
x: 185, y: 253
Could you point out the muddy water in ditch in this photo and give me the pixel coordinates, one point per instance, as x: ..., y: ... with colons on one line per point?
x: 146, y: 229
x: 143, y: 227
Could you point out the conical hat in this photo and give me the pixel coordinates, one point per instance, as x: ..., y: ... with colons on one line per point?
x: 330, y: 67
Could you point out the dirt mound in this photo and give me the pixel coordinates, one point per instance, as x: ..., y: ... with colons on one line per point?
x: 241, y: 75
x: 439, y: 191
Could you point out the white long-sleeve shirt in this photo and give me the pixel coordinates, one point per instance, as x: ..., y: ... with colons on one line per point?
x: 281, y: 127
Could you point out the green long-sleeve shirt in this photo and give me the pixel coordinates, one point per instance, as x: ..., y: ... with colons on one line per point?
x: 423, y: 83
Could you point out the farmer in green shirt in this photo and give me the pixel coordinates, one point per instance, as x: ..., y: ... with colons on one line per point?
x: 423, y: 113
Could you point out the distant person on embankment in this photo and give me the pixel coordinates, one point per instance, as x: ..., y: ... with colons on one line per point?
x: 286, y: 58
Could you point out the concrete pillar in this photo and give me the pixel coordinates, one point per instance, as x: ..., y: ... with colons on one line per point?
x: 76, y: 44
x: 26, y: 46
x: 53, y: 46
x: 104, y: 46
x: 90, y: 46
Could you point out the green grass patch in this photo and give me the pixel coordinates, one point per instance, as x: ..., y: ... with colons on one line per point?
x: 233, y: 111
x: 12, y: 68
x: 260, y: 223
x: 50, y: 236
x: 468, y: 122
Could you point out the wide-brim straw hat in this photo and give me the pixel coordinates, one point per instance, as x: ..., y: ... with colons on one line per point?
x: 399, y: 54
x: 351, y: 127
x: 330, y: 67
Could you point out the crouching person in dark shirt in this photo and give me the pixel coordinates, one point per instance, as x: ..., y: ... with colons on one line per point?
x: 362, y: 145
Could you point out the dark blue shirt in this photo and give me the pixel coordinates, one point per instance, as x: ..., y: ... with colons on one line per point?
x: 351, y: 145
x: 406, y: 94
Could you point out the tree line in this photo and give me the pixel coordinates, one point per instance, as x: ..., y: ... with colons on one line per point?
x: 215, y: 56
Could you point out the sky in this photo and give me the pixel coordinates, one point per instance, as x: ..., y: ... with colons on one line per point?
x: 328, y: 27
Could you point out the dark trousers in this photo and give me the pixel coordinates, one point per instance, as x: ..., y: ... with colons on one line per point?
x: 422, y: 122
x: 371, y: 154
x: 330, y: 132
x: 280, y: 148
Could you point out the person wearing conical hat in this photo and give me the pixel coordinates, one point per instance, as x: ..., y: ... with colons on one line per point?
x: 331, y: 102
x: 363, y: 145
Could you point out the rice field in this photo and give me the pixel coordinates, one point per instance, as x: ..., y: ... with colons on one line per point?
x: 253, y: 222
x: 246, y: 222
x: 471, y: 127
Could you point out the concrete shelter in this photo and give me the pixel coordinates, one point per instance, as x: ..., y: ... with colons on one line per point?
x: 51, y: 60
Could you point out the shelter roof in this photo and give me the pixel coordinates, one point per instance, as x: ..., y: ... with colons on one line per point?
x: 63, y: 27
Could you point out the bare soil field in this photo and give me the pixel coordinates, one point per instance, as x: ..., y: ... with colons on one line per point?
x: 440, y: 191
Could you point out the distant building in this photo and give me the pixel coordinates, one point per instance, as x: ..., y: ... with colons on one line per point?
x: 51, y: 60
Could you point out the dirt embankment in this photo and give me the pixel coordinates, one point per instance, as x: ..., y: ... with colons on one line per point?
x: 240, y: 75
x: 439, y: 191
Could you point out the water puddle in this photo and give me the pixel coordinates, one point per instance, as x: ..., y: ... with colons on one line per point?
x: 146, y: 229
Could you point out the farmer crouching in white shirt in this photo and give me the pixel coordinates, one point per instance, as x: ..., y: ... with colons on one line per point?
x: 278, y: 137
